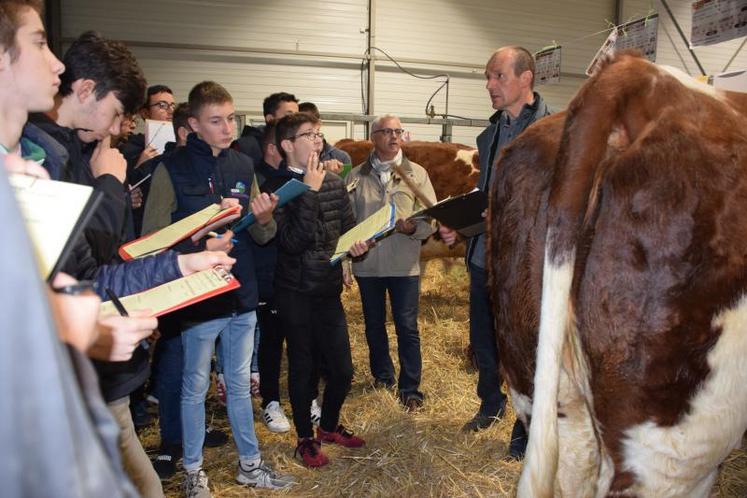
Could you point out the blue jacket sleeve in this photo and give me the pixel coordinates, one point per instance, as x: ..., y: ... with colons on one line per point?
x: 137, y: 275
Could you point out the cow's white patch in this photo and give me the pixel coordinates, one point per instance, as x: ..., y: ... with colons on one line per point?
x: 540, y: 466
x: 692, y: 83
x: 522, y: 405
x: 682, y: 460
x: 466, y: 157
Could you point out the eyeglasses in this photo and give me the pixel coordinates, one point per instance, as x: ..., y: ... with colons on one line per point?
x: 391, y: 131
x: 310, y: 136
x: 163, y: 105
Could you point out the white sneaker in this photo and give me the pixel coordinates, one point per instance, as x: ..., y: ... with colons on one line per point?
x: 262, y: 476
x: 316, y: 412
x: 196, y: 485
x: 275, y: 418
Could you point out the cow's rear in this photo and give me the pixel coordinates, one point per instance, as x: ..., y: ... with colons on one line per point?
x: 642, y: 316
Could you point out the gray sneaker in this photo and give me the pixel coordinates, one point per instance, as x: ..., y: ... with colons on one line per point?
x: 196, y: 485
x: 262, y: 476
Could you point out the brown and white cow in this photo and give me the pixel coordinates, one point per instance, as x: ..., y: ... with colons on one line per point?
x: 618, y: 231
x: 452, y: 168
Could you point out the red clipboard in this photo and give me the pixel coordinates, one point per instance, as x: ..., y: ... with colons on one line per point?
x: 127, y: 255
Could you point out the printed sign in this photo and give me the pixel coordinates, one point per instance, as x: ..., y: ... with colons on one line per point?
x: 716, y: 21
x: 547, y: 65
x: 640, y: 34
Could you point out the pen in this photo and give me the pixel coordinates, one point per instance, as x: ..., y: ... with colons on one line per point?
x: 219, y: 236
x: 133, y: 187
x: 122, y: 311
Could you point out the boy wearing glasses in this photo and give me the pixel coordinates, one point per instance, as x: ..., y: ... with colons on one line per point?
x: 159, y: 105
x: 308, y: 287
x: 393, y: 266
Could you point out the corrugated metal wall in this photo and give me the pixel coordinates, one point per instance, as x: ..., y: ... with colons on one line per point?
x: 314, y: 48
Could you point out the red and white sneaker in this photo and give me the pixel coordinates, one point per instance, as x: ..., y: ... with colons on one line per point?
x: 310, y: 451
x: 340, y: 436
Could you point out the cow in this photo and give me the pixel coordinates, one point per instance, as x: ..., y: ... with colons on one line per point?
x: 452, y: 168
x: 618, y: 267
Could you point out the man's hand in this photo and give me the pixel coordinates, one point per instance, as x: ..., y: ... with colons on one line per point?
x: 199, y: 261
x: 314, y: 173
x: 406, y: 227
x: 224, y: 243
x: 120, y: 335
x: 333, y: 165
x: 75, y: 315
x: 360, y: 248
x: 448, y: 235
x: 16, y: 164
x: 106, y: 160
x: 262, y: 206
x: 347, y: 273
x: 148, y: 153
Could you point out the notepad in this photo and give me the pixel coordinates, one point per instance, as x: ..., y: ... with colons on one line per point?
x: 378, y: 225
x: 210, y: 218
x: 289, y: 191
x: 55, y: 214
x: 158, y: 134
x: 176, y: 294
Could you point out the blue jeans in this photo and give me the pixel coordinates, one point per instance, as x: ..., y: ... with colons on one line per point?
x: 167, y: 373
x: 236, y: 343
x: 404, y: 294
x: 484, y: 345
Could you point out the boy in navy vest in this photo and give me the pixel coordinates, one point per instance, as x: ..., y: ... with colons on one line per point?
x: 203, y: 172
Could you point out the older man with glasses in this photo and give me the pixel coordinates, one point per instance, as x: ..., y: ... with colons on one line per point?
x: 393, y: 265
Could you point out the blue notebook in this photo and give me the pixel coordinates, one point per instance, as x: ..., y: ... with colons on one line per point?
x: 289, y: 191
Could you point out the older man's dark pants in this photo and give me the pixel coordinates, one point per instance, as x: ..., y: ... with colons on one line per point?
x: 484, y: 346
x: 404, y: 293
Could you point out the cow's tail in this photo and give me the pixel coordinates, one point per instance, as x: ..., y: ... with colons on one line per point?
x: 593, y: 127
x: 538, y: 476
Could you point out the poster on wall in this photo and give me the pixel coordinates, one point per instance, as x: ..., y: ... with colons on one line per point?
x: 716, y: 21
x: 547, y: 65
x: 640, y: 35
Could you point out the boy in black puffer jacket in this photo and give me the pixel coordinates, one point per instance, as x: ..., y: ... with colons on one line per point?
x: 308, y: 287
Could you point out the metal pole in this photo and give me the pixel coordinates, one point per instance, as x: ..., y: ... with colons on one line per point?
x: 371, y: 61
x: 682, y: 35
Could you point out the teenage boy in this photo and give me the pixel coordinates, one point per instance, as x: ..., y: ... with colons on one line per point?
x: 159, y: 105
x: 102, y: 82
x: 274, y: 107
x: 203, y: 172
x: 308, y: 287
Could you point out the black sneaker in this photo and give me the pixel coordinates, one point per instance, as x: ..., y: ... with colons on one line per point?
x: 165, y: 462
x: 383, y: 384
x: 214, y: 437
x: 519, y: 440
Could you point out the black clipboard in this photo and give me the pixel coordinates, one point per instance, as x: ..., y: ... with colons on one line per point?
x: 462, y: 213
x: 85, y: 217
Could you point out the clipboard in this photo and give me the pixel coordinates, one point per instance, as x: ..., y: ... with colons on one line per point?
x: 160, y: 240
x: 377, y: 226
x: 55, y: 214
x: 177, y: 294
x: 158, y: 134
x: 286, y: 193
x: 463, y: 213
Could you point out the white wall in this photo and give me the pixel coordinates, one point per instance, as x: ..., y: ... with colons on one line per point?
x: 313, y: 48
